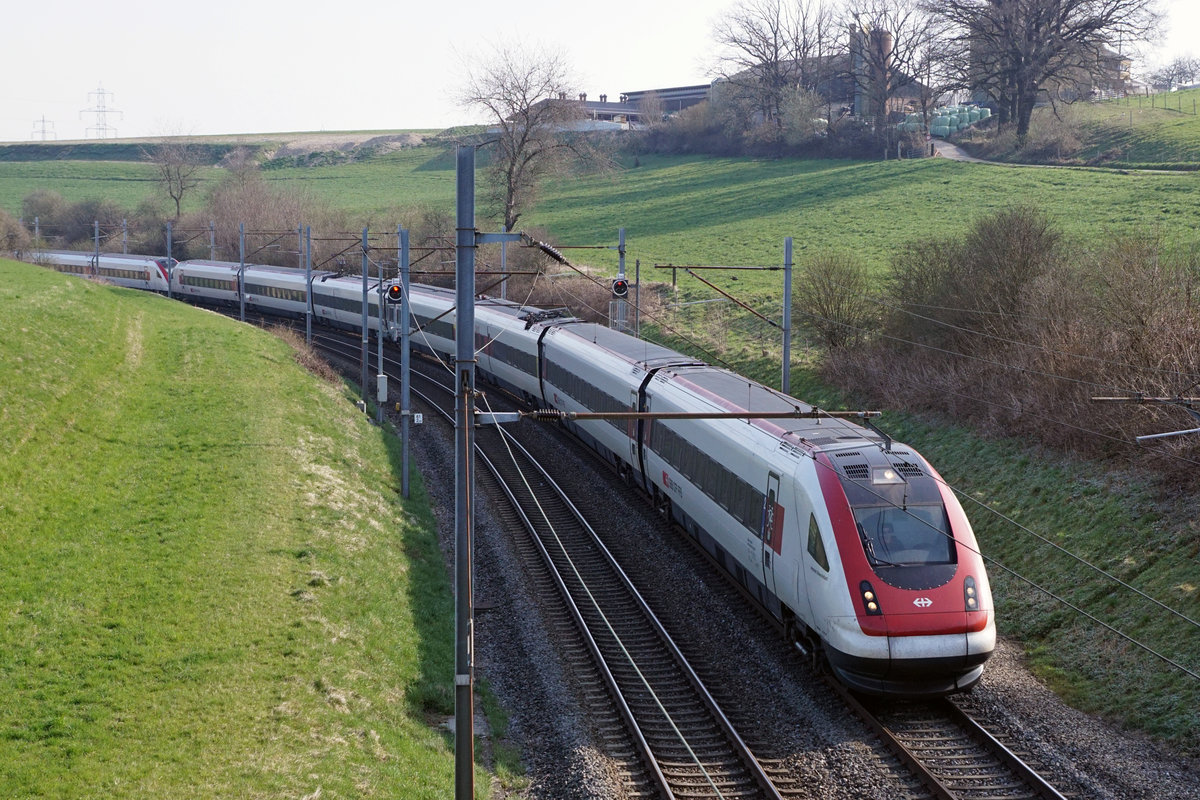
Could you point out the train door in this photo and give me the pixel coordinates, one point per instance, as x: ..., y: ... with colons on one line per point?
x: 632, y: 427
x: 771, y: 533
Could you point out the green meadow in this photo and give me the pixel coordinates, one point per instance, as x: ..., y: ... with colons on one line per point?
x: 715, y: 211
x: 211, y: 585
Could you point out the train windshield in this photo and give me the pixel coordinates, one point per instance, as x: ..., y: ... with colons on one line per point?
x: 895, y: 537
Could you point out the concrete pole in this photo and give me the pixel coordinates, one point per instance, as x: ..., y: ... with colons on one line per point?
x: 620, y: 252
x: 380, y: 401
x: 242, y: 270
x: 170, y: 266
x: 787, y: 315
x: 96, y: 241
x: 124, y: 236
x: 504, y: 266
x: 464, y: 456
x: 212, y: 240
x: 308, y: 305
x: 622, y: 303
x: 405, y: 399
x: 637, y: 298
x: 366, y: 331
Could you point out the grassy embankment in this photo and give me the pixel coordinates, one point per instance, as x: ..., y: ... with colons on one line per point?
x: 1159, y: 131
x: 211, y: 586
x: 735, y: 211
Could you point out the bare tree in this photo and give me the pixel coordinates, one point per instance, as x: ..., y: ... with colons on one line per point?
x: 177, y: 163
x: 894, y: 45
x: 1016, y: 49
x: 535, y: 121
x: 771, y: 49
x: 651, y: 110
x: 1182, y: 70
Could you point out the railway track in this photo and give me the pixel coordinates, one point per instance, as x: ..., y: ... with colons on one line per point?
x: 953, y: 755
x: 686, y: 746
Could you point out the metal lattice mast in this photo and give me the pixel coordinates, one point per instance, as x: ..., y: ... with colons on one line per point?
x: 101, y: 109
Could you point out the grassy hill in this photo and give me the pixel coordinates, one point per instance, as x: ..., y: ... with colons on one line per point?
x: 1160, y: 131
x: 697, y: 210
x: 211, y: 587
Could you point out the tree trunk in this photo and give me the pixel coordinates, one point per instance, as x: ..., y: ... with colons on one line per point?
x: 1024, y: 113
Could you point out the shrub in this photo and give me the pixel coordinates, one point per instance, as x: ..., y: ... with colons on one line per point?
x: 834, y: 296
x: 1002, y: 328
x: 13, y: 236
x: 954, y: 288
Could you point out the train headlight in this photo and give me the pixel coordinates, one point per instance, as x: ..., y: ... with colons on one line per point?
x: 885, y: 476
x: 869, y: 600
x: 970, y: 594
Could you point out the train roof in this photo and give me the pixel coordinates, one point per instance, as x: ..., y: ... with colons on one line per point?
x: 638, y: 351
x: 92, y: 253
x: 497, y: 305
x: 736, y: 393
x: 235, y: 265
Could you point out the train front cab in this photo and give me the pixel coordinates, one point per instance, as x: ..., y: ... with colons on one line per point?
x: 922, y: 618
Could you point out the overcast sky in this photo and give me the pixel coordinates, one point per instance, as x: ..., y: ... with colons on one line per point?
x: 231, y: 67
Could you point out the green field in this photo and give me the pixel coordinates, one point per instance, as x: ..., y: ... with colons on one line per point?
x: 211, y: 586
x: 735, y: 211
x: 697, y: 210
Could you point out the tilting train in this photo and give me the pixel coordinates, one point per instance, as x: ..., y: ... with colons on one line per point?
x: 851, y: 540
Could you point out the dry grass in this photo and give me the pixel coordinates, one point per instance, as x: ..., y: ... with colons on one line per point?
x: 306, y: 356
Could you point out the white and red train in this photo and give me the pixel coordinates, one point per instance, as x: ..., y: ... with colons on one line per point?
x: 851, y: 540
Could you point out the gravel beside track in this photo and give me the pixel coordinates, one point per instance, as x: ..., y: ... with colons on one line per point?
x: 794, y: 719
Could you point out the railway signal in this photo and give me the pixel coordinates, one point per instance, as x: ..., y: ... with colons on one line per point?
x: 620, y: 287
x: 394, y: 293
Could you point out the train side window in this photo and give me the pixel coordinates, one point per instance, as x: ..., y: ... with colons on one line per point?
x: 816, y: 546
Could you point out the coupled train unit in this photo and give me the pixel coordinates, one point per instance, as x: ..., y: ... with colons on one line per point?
x: 851, y: 540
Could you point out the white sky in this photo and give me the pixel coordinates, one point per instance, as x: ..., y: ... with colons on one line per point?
x: 233, y: 67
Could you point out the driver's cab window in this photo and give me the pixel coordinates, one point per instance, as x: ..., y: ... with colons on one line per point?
x: 816, y: 546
